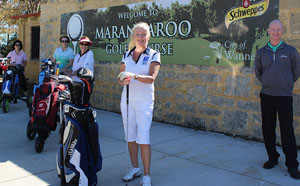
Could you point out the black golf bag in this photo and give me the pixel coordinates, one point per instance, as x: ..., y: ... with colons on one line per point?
x: 79, y: 156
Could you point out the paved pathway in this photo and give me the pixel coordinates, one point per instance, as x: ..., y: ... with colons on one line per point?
x: 180, y: 156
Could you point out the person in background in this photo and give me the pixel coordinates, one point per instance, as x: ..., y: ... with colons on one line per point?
x: 64, y: 55
x: 85, y: 57
x: 277, y: 66
x: 18, y: 58
x: 139, y: 69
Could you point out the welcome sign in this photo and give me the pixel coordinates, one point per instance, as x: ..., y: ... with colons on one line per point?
x: 201, y: 32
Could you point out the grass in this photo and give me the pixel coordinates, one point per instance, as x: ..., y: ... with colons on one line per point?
x: 191, y: 51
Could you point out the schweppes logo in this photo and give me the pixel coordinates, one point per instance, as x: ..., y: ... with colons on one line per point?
x: 238, y: 13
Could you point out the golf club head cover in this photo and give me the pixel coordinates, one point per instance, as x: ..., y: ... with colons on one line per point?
x: 85, y: 73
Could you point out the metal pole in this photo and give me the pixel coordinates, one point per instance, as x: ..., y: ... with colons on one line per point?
x: 127, y: 105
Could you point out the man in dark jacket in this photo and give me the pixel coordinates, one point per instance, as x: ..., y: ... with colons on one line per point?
x: 277, y: 66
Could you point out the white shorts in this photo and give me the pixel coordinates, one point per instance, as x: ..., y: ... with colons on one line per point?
x: 139, y: 120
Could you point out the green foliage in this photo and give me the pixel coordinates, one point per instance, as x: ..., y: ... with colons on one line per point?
x: 7, y: 45
x: 10, y: 8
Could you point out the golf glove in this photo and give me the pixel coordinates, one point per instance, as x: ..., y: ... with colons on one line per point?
x: 124, y: 75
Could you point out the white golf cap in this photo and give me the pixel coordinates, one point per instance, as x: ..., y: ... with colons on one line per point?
x: 85, y: 39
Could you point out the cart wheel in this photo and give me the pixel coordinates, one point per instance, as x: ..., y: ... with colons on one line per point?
x: 5, y: 105
x: 29, y: 132
x: 39, y: 144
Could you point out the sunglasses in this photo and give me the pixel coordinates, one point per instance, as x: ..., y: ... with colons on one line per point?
x: 85, y: 44
x: 17, y: 45
x: 64, y: 41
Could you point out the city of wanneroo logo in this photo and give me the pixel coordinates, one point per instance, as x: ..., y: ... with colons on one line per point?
x: 246, y: 11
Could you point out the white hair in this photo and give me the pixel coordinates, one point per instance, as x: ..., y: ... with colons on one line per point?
x: 142, y: 25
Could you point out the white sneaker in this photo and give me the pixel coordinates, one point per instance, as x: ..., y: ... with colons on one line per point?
x: 146, y: 181
x: 133, y: 173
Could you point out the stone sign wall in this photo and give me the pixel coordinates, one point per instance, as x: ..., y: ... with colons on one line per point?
x: 220, y: 99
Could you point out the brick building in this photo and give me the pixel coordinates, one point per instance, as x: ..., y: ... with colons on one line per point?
x: 29, y: 34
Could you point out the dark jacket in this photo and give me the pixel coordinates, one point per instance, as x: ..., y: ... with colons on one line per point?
x: 277, y: 71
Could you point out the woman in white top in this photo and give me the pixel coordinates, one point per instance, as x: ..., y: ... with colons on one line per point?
x: 139, y: 68
x: 85, y: 58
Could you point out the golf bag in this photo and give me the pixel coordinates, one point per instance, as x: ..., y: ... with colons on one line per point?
x: 3, y: 66
x: 11, y: 82
x: 44, y: 113
x: 47, y: 71
x: 79, y: 156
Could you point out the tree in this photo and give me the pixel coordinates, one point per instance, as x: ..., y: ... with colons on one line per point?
x: 180, y: 12
x: 30, y: 6
x: 6, y: 45
x: 10, y: 8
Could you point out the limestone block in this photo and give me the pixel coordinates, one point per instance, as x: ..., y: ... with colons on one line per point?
x: 188, y: 76
x: 202, y: 67
x: 239, y: 86
x: 98, y: 71
x: 173, y: 117
x: 194, y: 122
x: 297, y: 131
x: 174, y: 66
x: 116, y: 97
x: 175, y: 85
x: 221, y: 69
x: 210, y: 78
x: 215, y: 89
x: 210, y: 111
x: 117, y: 87
x: 96, y: 98
x: 297, y: 86
x: 256, y: 133
x: 169, y: 74
x: 158, y: 111
x: 163, y: 94
x: 256, y: 118
x: 257, y: 82
x: 160, y: 80
x: 168, y: 105
x: 221, y: 101
x: 247, y: 70
x: 235, y: 122
x: 249, y: 105
x: 296, y: 104
x: 213, y: 125
x: 185, y: 107
x: 197, y: 93
x: 179, y: 96
x: 294, y: 42
x: 256, y: 92
x: 193, y: 68
x: 295, y: 23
